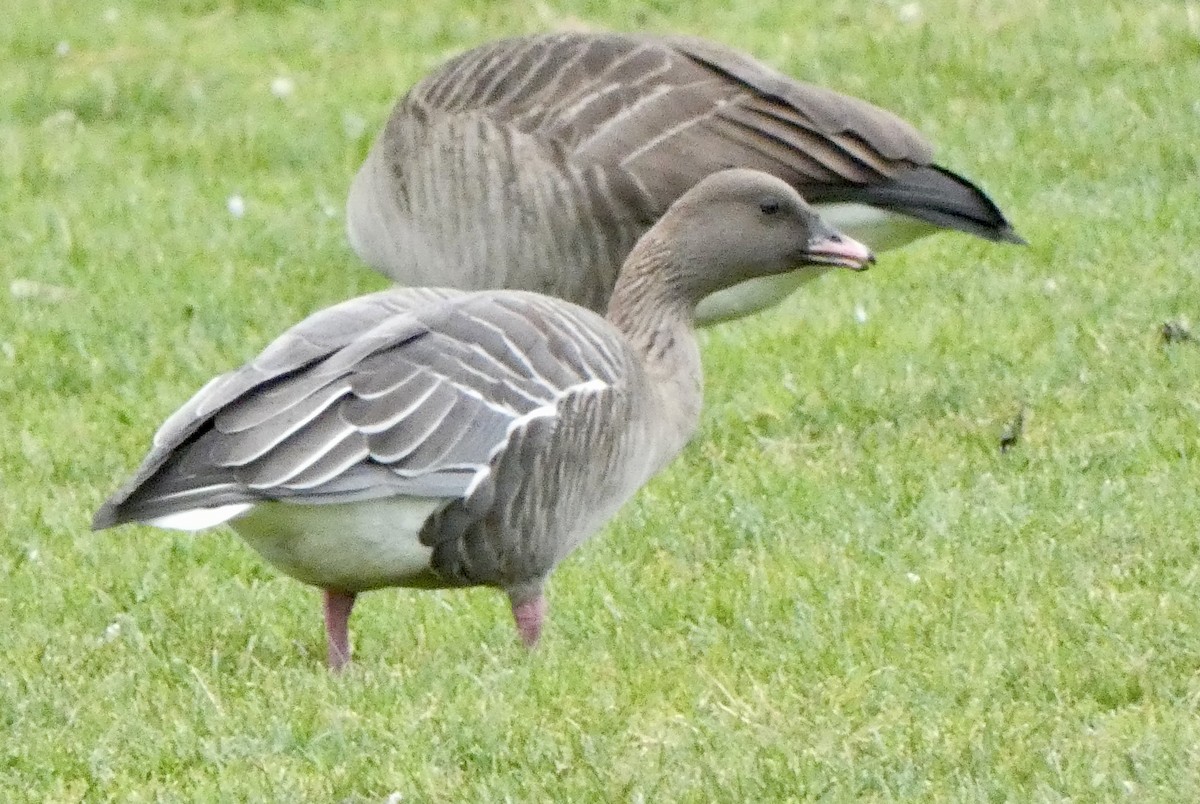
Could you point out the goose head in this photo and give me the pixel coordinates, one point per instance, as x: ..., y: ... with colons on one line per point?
x: 737, y: 226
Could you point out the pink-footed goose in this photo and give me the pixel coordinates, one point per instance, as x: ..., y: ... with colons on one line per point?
x: 535, y: 163
x: 439, y: 438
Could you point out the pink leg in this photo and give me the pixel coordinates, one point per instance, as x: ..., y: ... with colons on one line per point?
x: 337, y: 630
x: 530, y: 614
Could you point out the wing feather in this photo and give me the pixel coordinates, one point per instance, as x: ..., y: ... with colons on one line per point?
x: 394, y: 444
x: 424, y: 402
x: 661, y: 106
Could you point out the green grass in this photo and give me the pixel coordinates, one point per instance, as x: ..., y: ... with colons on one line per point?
x: 842, y: 590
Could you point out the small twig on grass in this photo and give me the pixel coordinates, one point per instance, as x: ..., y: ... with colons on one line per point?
x: 208, y: 693
x: 1175, y: 332
x: 1013, y: 430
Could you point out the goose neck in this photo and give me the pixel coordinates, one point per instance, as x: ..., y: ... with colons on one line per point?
x: 648, y: 298
x: 655, y: 315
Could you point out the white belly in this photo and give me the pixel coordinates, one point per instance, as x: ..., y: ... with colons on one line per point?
x: 351, y: 547
x: 879, y: 229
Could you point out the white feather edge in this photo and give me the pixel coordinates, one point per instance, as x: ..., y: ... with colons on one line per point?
x: 199, y: 518
x: 349, y: 546
x: 548, y: 410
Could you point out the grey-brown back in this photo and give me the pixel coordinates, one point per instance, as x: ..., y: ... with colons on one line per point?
x: 537, y: 162
x: 527, y: 415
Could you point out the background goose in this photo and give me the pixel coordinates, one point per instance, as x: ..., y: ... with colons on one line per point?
x: 432, y: 438
x: 537, y: 162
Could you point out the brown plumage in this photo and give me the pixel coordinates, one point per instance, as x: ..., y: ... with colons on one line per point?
x: 536, y: 162
x: 431, y: 438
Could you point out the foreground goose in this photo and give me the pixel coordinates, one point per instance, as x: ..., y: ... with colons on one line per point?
x: 431, y: 438
x: 536, y: 163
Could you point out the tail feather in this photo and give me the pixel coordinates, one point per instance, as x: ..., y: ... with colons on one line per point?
x: 931, y: 194
x: 150, y: 506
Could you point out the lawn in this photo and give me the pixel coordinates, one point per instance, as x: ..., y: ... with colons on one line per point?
x: 843, y: 590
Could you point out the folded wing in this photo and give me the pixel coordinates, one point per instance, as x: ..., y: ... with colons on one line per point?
x: 390, y: 394
x: 658, y: 114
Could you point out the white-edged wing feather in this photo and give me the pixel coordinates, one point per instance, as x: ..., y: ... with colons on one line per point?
x: 407, y: 400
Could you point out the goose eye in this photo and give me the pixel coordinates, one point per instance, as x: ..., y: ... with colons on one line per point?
x: 769, y: 207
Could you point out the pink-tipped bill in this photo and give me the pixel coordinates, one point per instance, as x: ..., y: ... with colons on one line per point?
x: 837, y: 249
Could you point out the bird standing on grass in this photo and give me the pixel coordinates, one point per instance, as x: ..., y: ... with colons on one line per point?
x: 435, y: 438
x: 536, y: 162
